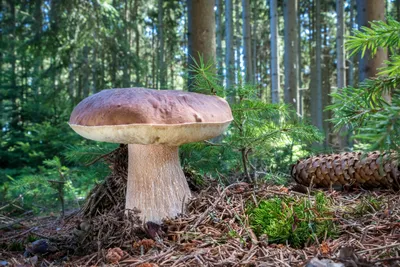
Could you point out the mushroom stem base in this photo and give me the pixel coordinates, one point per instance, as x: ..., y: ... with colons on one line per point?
x: 156, y: 183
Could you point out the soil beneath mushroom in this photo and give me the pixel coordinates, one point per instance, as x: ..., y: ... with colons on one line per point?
x: 102, y: 233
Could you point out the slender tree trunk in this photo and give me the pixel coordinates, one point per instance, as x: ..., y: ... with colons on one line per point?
x: 94, y: 70
x: 71, y: 79
x: 249, y: 74
x: 300, y: 63
x: 312, y: 88
x: 238, y: 41
x: 350, y: 76
x: 316, y: 94
x: 161, y: 55
x: 126, y: 45
x: 137, y: 41
x: 275, y: 79
x: 13, y: 40
x: 202, y: 31
x: 369, y: 10
x: 341, y: 63
x: 340, y: 52
x: 113, y: 63
x: 254, y: 41
x: 189, y: 7
x: 229, y: 53
x: 14, y: 91
x: 326, y: 75
x: 153, y: 59
x: 86, y: 70
x: 172, y: 75
x: 290, y: 58
x: 37, y: 53
x: 218, y: 19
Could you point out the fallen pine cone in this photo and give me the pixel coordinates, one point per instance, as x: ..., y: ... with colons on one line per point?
x: 370, y: 170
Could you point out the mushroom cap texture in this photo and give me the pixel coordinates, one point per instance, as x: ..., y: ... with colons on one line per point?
x: 146, y: 116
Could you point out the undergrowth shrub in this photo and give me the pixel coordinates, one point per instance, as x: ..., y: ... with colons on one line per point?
x: 263, y: 138
x: 297, y: 221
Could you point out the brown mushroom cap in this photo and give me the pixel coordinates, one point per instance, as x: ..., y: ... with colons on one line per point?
x: 146, y: 116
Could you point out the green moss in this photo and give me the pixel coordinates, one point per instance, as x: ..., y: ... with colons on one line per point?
x: 367, y: 205
x: 295, y: 221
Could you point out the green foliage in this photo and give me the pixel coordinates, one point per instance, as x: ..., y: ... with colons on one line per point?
x: 373, y: 109
x: 39, y: 191
x: 38, y: 188
x: 367, y: 205
x: 263, y: 137
x: 205, y: 78
x: 379, y: 34
x: 52, y: 55
x: 296, y: 221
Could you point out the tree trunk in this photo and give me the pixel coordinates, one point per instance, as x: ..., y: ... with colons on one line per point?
x: 290, y: 57
x: 340, y: 51
x: 71, y: 79
x: 249, y: 75
x: 312, y: 88
x: 350, y: 76
x: 300, y: 63
x: 275, y: 79
x: 86, y: 70
x: 254, y: 42
x: 37, y: 53
x: 161, y: 55
x: 126, y: 46
x: 137, y: 42
x: 326, y: 75
x: 14, y: 91
x: 369, y: 10
x: 94, y: 70
x: 189, y: 7
x: 341, y: 63
x: 218, y: 18
x: 153, y: 63
x: 229, y: 53
x: 113, y: 63
x: 316, y: 94
x: 238, y: 41
x: 201, y: 32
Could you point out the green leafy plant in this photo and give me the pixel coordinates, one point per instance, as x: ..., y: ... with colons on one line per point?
x: 52, y: 184
x: 295, y: 221
x: 373, y: 109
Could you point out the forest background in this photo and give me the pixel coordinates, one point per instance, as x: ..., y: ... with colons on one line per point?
x: 287, y: 55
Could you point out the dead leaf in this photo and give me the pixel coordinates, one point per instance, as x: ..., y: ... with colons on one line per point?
x: 114, y: 255
x: 325, y: 249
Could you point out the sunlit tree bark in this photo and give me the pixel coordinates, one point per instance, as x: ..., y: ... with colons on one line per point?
x: 275, y: 79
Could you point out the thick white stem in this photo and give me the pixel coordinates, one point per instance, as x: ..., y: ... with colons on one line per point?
x: 156, y: 183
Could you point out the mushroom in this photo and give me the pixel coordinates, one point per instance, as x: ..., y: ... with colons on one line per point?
x: 154, y: 124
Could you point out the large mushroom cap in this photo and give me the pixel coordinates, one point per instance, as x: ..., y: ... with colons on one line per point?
x: 146, y: 116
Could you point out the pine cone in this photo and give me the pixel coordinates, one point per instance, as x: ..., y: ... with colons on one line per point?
x: 370, y: 170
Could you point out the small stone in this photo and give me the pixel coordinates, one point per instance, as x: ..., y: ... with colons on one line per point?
x: 315, y: 262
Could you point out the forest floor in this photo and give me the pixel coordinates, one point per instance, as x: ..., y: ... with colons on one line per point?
x: 214, y: 232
